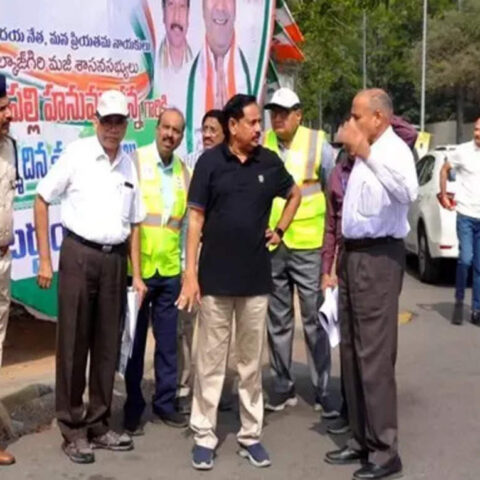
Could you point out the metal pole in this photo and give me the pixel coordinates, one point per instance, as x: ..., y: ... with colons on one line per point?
x: 364, y: 49
x: 424, y: 66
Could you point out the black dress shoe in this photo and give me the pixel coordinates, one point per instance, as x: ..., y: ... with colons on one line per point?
x: 393, y: 469
x: 476, y: 317
x: 345, y: 456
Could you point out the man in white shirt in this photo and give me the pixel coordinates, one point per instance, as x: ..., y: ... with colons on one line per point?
x: 101, y: 208
x: 381, y: 187
x: 466, y: 163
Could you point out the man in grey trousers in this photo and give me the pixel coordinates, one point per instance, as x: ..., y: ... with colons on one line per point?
x: 296, y: 262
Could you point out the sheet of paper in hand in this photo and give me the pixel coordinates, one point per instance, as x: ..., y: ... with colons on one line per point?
x: 129, y: 328
x: 328, y: 316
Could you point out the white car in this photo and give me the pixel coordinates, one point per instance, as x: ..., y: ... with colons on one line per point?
x: 433, y: 235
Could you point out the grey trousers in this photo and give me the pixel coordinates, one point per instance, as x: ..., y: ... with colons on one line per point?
x: 300, y: 268
x: 369, y: 286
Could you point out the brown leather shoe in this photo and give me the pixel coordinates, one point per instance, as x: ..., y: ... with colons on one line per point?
x: 6, y: 458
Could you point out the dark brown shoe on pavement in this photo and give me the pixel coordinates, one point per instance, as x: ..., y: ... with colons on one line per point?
x: 79, y: 451
x: 113, y: 441
x: 6, y: 458
x: 345, y: 456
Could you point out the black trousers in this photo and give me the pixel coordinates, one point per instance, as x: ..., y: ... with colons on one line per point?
x: 369, y: 287
x: 91, y: 299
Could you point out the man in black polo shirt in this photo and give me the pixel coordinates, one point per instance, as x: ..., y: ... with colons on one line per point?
x: 230, y: 198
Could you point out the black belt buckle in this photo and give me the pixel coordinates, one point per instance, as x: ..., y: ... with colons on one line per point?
x: 107, y: 248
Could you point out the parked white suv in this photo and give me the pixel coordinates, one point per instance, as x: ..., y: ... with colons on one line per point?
x: 433, y: 235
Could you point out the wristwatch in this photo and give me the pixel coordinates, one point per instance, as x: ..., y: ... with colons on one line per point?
x: 279, y: 232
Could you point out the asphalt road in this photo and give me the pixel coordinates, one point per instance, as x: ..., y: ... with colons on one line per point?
x: 439, y: 415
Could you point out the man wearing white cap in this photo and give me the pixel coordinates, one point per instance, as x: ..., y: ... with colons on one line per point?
x: 97, y: 185
x: 297, y: 260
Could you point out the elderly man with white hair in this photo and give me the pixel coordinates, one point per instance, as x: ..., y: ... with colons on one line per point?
x: 97, y: 185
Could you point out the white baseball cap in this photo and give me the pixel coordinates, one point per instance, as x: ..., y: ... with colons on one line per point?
x: 112, y: 102
x: 285, y: 98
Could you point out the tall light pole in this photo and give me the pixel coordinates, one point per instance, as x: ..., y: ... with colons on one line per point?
x: 364, y: 42
x: 424, y: 66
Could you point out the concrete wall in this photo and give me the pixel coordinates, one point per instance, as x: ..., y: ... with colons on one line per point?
x: 444, y: 133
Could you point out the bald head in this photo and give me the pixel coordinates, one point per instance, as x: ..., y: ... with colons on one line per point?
x: 372, y: 110
x: 171, y: 111
x: 170, y: 127
x: 379, y: 99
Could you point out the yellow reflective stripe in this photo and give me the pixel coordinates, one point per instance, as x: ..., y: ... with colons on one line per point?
x: 312, y: 154
x: 310, y: 189
x: 155, y: 220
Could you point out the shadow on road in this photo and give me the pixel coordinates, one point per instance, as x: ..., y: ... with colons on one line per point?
x: 446, y: 277
x: 444, y: 309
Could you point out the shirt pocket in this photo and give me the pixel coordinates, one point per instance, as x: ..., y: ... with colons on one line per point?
x: 372, y: 200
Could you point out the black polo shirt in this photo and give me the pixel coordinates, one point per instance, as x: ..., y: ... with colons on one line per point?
x: 237, y: 199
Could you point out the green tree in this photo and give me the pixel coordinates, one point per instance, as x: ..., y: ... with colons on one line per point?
x: 332, y: 71
x: 453, y: 62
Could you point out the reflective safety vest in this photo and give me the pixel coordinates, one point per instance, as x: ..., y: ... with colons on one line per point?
x: 159, y: 236
x: 303, y: 162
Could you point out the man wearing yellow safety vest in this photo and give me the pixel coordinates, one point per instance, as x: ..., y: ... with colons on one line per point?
x: 296, y: 262
x: 164, y: 181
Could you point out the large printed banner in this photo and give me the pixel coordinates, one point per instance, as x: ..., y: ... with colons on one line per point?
x: 60, y: 55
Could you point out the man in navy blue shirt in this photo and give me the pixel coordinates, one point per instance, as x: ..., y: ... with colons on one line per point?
x: 230, y: 198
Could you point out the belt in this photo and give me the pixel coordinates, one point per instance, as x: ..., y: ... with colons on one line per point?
x: 362, y: 243
x: 97, y: 246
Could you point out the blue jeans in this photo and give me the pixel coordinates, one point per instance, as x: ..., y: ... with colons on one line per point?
x: 468, y: 232
x: 159, y: 305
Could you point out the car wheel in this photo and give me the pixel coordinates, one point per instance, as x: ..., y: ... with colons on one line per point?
x: 427, y: 266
